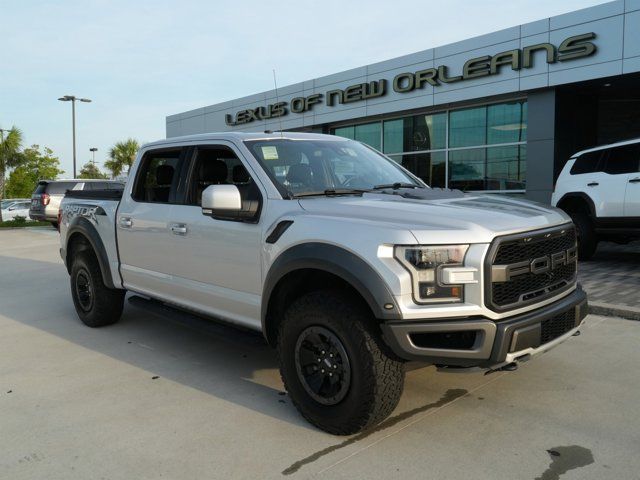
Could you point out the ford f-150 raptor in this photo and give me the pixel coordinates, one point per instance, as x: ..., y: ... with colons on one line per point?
x: 347, y: 263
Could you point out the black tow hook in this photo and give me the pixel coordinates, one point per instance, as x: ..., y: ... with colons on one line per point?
x: 509, y: 367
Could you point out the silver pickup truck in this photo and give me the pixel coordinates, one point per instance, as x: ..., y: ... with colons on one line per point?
x: 347, y: 263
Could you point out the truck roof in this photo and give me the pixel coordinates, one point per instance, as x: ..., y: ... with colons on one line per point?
x: 242, y: 136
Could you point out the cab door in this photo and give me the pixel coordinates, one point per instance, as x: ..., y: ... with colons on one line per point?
x: 145, y: 242
x: 632, y: 192
x: 216, y: 264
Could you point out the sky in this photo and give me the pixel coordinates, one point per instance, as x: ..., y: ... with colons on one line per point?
x: 139, y: 61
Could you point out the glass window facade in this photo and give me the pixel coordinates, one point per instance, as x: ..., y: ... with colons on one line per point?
x: 478, y: 148
x: 416, y: 133
x: 369, y: 133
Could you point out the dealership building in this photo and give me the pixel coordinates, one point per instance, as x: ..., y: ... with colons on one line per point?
x: 498, y: 113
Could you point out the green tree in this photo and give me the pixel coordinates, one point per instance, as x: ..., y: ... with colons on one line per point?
x: 121, y: 156
x: 34, y: 166
x: 10, y: 144
x: 91, y: 170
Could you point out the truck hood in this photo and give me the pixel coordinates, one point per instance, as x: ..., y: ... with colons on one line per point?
x: 440, y: 216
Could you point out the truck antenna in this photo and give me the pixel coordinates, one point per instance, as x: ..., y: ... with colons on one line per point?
x: 275, y: 84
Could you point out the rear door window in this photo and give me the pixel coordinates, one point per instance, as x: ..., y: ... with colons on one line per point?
x: 621, y: 160
x: 158, y: 176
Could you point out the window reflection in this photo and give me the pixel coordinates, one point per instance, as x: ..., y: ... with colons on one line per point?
x: 369, y: 133
x: 419, y: 132
x: 494, y: 168
x: 473, y: 163
x: 468, y: 127
x: 507, y: 123
x: 430, y: 167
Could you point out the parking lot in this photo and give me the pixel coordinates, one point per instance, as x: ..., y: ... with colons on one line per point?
x: 152, y: 398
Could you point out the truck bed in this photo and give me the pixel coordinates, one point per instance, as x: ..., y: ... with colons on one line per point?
x: 95, y: 194
x: 93, y: 212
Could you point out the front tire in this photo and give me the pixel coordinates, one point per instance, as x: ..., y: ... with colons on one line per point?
x: 95, y: 304
x: 587, y: 238
x: 334, y: 365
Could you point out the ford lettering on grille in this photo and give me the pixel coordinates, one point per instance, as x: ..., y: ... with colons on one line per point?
x: 504, y: 273
x: 530, y: 267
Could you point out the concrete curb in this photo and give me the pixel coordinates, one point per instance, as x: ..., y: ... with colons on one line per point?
x: 609, y: 310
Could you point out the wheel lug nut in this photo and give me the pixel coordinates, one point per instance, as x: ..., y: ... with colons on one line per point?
x: 319, y: 360
x: 322, y: 352
x: 322, y: 370
x: 335, y: 366
x: 330, y: 374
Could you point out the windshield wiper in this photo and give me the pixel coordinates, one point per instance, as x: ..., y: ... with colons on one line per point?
x: 395, y: 186
x: 330, y: 192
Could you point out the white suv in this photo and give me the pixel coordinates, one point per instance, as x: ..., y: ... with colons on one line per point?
x: 600, y: 189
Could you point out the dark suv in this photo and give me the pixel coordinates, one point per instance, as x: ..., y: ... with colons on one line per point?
x: 47, y: 196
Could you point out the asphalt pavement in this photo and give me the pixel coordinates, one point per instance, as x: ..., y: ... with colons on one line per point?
x: 153, y: 398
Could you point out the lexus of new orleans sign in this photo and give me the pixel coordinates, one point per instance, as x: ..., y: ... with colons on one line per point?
x: 578, y: 46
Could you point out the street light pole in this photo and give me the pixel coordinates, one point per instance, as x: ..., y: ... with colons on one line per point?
x: 73, y: 99
x: 4, y: 184
x: 93, y: 150
x: 73, y: 129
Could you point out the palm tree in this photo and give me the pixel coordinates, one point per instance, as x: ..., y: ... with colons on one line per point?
x: 121, y: 156
x: 10, y: 145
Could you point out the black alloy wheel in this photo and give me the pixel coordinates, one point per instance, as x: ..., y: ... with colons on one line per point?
x: 323, y: 365
x: 84, y: 290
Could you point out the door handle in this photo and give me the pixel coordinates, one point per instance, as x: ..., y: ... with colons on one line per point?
x: 125, y: 222
x: 635, y: 180
x: 179, y: 229
x: 593, y: 184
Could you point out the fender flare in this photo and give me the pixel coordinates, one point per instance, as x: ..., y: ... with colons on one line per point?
x: 84, y: 227
x: 582, y: 196
x: 337, y: 261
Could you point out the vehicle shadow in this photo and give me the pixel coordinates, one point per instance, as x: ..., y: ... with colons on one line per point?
x: 613, y: 252
x: 234, y: 365
x: 611, y: 275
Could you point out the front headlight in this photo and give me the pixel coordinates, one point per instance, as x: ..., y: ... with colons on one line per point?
x: 425, y: 264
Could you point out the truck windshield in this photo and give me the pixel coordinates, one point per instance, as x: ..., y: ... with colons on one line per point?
x: 330, y: 167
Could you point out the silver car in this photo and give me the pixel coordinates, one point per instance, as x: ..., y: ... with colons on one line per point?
x: 47, y: 196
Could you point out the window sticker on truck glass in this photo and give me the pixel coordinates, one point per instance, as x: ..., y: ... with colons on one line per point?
x: 269, y: 152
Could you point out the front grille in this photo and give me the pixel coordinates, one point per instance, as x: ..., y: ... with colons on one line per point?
x: 525, y: 287
x: 517, y: 250
x: 557, y: 326
x: 531, y: 285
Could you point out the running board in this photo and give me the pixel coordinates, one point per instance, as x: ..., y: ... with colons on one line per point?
x: 201, y: 323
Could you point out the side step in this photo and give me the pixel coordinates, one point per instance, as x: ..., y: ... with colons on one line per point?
x: 201, y: 323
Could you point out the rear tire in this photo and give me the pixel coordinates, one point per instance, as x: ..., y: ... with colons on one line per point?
x: 95, y: 304
x: 368, y: 383
x: 587, y: 239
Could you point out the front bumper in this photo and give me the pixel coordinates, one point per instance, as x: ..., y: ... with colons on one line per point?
x: 480, y: 342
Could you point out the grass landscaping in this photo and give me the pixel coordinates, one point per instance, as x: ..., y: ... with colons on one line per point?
x: 19, y: 222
